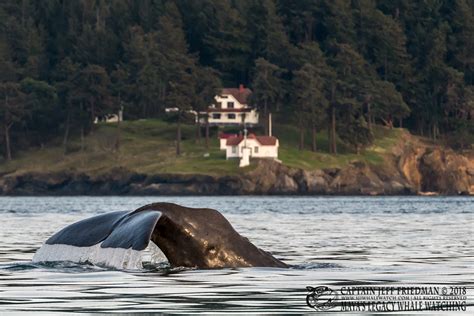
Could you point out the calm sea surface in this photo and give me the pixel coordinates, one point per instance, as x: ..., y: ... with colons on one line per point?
x: 328, y: 241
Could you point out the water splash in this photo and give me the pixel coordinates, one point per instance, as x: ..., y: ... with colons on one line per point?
x: 118, y: 258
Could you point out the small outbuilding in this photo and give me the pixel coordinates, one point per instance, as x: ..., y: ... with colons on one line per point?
x: 256, y: 146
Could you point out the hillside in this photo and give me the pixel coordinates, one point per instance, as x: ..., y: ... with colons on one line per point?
x: 147, y: 146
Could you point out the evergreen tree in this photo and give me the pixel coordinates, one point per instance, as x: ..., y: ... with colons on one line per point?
x: 64, y: 76
x: 352, y: 76
x: 41, y: 104
x: 461, y: 48
x: 93, y: 93
x: 266, y: 88
x: 383, y: 43
x: 177, y: 67
x: 119, y: 81
x: 337, y: 23
x: 356, y: 134
x: 388, y: 103
x: 207, y: 86
x: 12, y: 110
x: 309, y: 100
x: 269, y: 39
x: 222, y: 40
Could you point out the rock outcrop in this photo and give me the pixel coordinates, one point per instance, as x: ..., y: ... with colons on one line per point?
x: 446, y: 172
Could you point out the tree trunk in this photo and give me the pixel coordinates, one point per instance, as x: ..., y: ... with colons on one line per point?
x: 313, y: 140
x: 82, y: 138
x: 178, y: 136
x: 144, y: 109
x: 369, y: 118
x: 120, y: 117
x: 265, y: 115
x: 332, y: 125
x: 97, y: 19
x: 328, y: 130
x: 198, y: 129
x: 23, y: 13
x: 333, y: 130
x: 118, y: 135
x: 207, y: 131
x: 66, y: 130
x: 435, y: 131
x: 400, y: 122
x: 92, y: 115
x: 301, y: 146
x: 8, y: 151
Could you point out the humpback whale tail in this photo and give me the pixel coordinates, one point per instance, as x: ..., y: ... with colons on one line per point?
x: 187, y: 237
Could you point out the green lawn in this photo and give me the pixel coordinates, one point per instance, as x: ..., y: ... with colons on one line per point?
x: 385, y: 139
x: 148, y: 146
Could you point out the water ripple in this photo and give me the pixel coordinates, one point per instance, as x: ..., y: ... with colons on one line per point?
x: 331, y: 241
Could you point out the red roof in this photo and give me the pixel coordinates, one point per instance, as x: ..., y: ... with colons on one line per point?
x: 263, y: 140
x: 240, y: 94
x: 224, y: 135
x: 228, y: 110
x: 267, y: 140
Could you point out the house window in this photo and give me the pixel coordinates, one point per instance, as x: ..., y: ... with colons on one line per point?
x: 255, y: 150
x: 219, y: 105
x: 234, y: 149
x: 230, y: 105
x: 216, y: 116
x: 223, y: 96
x: 231, y: 116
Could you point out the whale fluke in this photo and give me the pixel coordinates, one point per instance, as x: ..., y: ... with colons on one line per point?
x: 188, y: 237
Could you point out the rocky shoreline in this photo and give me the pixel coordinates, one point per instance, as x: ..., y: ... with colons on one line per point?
x: 410, y: 170
x: 412, y: 167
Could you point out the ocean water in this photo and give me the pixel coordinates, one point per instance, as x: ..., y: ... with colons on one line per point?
x: 337, y: 242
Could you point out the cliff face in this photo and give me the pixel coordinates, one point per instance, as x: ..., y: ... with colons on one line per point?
x: 411, y: 168
x: 433, y: 169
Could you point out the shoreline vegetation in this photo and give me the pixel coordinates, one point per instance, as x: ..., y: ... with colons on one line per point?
x: 397, y: 163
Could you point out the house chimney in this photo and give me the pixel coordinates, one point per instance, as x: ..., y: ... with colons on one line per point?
x: 241, y: 88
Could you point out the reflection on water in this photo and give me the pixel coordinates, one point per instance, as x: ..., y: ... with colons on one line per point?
x: 332, y: 241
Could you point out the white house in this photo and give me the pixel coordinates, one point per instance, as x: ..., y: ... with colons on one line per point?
x: 232, y: 108
x: 110, y: 118
x: 258, y: 146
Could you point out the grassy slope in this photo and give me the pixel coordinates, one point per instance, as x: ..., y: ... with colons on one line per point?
x: 147, y: 146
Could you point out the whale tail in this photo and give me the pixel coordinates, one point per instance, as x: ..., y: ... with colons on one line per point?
x: 187, y: 237
x: 114, y: 239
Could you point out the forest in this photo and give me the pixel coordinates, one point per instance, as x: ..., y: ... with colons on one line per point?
x: 338, y: 66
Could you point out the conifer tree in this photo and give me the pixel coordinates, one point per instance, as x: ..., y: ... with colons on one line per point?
x: 309, y: 100
x: 12, y: 110
x: 207, y: 85
x: 266, y: 88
